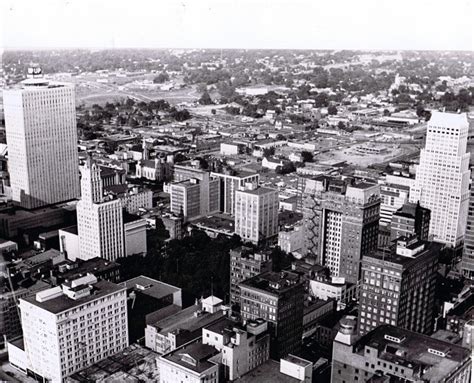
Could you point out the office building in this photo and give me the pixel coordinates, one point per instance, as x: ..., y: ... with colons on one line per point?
x: 410, y: 219
x: 442, y: 178
x: 340, y: 219
x: 69, y: 327
x: 398, y: 286
x: 100, y: 224
x: 242, y: 347
x: 467, y: 263
x: 256, y: 213
x: 278, y: 299
x: 245, y: 264
x: 229, y: 183
x: 392, y: 354
x: 40, y: 119
x: 392, y: 198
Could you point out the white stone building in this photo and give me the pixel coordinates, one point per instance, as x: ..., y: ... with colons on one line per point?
x: 256, y: 213
x: 40, y: 118
x: 442, y: 178
x: 69, y: 327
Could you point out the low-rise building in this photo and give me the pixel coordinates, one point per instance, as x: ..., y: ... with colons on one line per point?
x: 389, y: 353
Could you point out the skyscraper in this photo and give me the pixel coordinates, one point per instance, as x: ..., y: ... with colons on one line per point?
x: 340, y: 219
x: 277, y: 298
x: 99, y: 218
x: 467, y: 263
x: 41, y: 134
x: 398, y: 286
x: 442, y: 178
x: 256, y: 213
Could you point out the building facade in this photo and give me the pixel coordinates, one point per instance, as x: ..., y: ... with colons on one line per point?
x: 340, y: 219
x: 72, y: 326
x: 245, y: 264
x: 398, y: 287
x: 278, y: 299
x: 410, y: 219
x: 99, y: 220
x: 442, y: 178
x: 229, y: 184
x: 256, y: 213
x: 467, y: 263
x: 40, y: 119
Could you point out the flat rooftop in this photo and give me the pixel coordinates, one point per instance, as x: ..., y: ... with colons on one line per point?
x: 151, y: 287
x: 63, y: 302
x: 133, y: 364
x: 272, y: 282
x: 414, y: 350
x: 259, y: 191
x: 267, y: 372
x: 187, y: 320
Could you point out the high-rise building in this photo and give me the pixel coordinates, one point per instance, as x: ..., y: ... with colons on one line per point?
x: 69, y: 327
x: 40, y: 119
x: 398, y: 286
x: 100, y: 224
x: 245, y: 264
x: 256, y: 213
x: 392, y: 354
x: 467, y: 263
x: 229, y: 184
x: 277, y: 298
x: 340, y: 219
x: 392, y: 198
x: 442, y: 178
x: 193, y: 193
x: 410, y: 219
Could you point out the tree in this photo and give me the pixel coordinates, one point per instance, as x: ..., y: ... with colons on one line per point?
x: 268, y: 152
x: 205, y: 99
x: 341, y: 125
x: 332, y: 110
x: 288, y: 167
x: 161, y: 78
x: 386, y: 112
x: 307, y: 156
x: 129, y: 103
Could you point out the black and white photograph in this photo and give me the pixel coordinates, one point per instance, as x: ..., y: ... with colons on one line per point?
x: 248, y: 191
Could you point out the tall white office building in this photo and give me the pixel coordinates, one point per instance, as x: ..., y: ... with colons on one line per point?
x: 40, y: 118
x: 70, y: 327
x: 256, y: 213
x: 442, y: 178
x: 99, y: 219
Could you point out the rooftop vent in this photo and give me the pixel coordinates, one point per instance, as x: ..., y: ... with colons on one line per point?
x: 438, y: 352
x: 395, y: 339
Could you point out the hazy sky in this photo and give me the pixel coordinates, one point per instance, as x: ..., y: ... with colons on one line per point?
x: 313, y: 24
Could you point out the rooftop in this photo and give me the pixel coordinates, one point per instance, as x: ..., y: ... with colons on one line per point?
x: 267, y: 372
x: 259, y: 191
x: 434, y: 358
x: 448, y: 119
x: 134, y: 363
x: 189, y: 319
x: 273, y: 282
x: 194, y: 356
x: 151, y: 287
x: 63, y: 302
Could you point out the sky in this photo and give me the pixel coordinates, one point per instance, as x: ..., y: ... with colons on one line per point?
x: 250, y: 24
